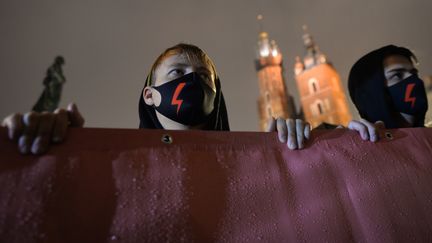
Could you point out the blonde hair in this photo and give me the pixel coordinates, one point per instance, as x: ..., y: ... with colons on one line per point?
x: 192, y: 52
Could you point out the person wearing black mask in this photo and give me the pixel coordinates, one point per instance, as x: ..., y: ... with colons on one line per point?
x: 386, y: 90
x: 181, y: 92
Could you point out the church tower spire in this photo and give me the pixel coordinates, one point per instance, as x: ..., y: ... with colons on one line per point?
x: 313, y: 55
x: 274, y: 99
x: 321, y: 92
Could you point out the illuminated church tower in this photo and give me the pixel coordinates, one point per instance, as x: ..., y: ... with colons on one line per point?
x: 274, y: 99
x: 321, y: 93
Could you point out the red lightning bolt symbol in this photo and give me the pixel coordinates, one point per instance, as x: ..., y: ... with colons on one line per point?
x: 408, y: 97
x: 176, y: 101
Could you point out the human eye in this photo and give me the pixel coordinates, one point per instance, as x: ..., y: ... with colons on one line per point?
x: 399, y: 75
x: 205, y: 75
x: 176, y: 72
x: 396, y: 74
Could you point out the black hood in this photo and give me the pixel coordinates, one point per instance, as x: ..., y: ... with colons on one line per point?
x: 368, y: 90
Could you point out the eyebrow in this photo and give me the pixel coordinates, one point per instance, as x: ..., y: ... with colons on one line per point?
x: 394, y: 71
x: 180, y: 65
x: 398, y: 69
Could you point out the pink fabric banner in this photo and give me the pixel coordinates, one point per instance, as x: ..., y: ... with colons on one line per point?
x: 125, y: 185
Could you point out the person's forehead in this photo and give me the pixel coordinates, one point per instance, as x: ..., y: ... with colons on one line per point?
x: 183, y: 59
x: 396, y: 59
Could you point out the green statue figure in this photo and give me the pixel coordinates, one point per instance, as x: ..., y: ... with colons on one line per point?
x: 53, y: 82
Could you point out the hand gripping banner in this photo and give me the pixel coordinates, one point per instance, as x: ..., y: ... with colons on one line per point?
x: 124, y: 185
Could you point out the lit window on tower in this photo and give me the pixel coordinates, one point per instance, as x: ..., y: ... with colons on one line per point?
x: 313, y: 85
x: 320, y: 109
x: 317, y: 108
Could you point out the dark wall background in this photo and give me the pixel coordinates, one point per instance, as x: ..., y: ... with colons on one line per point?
x: 110, y: 45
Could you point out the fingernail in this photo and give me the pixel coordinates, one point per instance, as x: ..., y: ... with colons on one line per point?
x: 292, y: 146
x: 35, y: 150
x: 37, y: 147
x: 301, y: 145
x: 282, y: 139
x: 23, y: 147
x: 373, y: 138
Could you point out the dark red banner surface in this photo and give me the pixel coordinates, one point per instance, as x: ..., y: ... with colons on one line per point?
x: 125, y: 185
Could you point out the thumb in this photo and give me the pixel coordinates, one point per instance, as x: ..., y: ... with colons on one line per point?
x: 75, y: 118
x: 380, y: 125
x: 271, y: 125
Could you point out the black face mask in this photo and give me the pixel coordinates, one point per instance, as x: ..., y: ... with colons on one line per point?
x: 187, y: 100
x: 409, y: 96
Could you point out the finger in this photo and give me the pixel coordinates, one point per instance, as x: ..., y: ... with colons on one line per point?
x: 307, y: 130
x: 31, y: 122
x: 292, y: 140
x: 380, y: 125
x: 75, y: 118
x: 271, y: 125
x: 43, y: 136
x: 373, y: 133
x: 281, y: 129
x: 14, y: 125
x: 299, y: 131
x: 360, y: 128
x: 60, y: 125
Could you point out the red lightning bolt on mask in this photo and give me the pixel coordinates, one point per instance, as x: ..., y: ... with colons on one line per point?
x: 408, y: 97
x: 175, y: 100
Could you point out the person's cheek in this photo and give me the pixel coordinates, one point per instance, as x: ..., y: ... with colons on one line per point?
x: 209, y: 98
